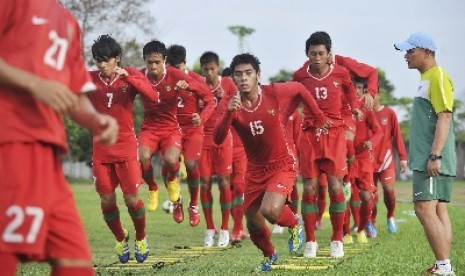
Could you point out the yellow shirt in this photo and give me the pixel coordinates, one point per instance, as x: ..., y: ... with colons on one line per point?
x: 437, y: 87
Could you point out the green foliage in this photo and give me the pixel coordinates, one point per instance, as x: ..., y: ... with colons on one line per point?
x: 241, y: 32
x: 79, y: 141
x: 132, y: 54
x: 282, y: 76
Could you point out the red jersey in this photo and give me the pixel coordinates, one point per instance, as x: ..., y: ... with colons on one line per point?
x: 188, y: 104
x: 328, y: 91
x: 39, y: 29
x: 261, y: 126
x: 163, y: 115
x: 116, y: 98
x: 383, y: 153
x: 361, y: 70
x: 367, y: 129
x: 227, y: 85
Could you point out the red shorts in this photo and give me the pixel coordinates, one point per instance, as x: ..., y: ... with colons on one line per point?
x: 386, y: 177
x: 361, y: 173
x: 160, y: 140
x: 192, y: 139
x: 107, y: 176
x: 216, y: 161
x: 349, y: 123
x: 239, y: 167
x: 258, y: 182
x: 325, y: 152
x: 38, y: 215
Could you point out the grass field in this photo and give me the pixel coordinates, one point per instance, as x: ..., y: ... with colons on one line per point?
x: 405, y: 253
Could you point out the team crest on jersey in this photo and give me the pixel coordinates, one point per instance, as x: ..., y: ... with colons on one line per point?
x: 291, y: 118
x: 271, y: 111
x: 168, y: 88
x: 336, y: 84
x: 124, y: 88
x: 384, y: 121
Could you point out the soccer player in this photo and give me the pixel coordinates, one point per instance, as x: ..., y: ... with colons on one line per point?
x: 384, y: 167
x: 191, y: 118
x: 433, y: 159
x: 42, y: 78
x: 160, y: 129
x: 367, y: 136
x: 119, y: 164
x: 258, y: 115
x: 215, y: 159
x: 328, y: 84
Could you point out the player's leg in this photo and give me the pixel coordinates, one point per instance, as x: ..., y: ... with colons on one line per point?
x: 148, y: 145
x: 387, y: 178
x: 237, y: 183
x: 222, y: 167
x: 337, y: 208
x: 321, y: 200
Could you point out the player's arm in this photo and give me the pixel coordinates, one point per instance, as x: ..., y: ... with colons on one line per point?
x: 226, y: 112
x: 140, y: 83
x: 376, y: 130
x: 349, y: 91
x: 297, y: 130
x: 398, y: 142
x: 105, y: 128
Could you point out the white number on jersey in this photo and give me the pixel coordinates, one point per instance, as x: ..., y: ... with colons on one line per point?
x: 321, y: 93
x: 56, y: 54
x: 18, y: 214
x: 180, y: 102
x: 110, y: 99
x: 256, y: 127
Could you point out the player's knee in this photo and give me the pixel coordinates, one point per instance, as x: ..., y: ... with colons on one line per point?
x: 190, y: 165
x: 108, y: 200
x: 130, y: 200
x: 270, y: 214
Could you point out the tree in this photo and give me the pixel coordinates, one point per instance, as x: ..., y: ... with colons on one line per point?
x: 241, y: 32
x: 282, y: 76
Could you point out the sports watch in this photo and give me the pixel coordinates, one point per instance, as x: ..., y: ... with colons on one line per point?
x: 434, y: 156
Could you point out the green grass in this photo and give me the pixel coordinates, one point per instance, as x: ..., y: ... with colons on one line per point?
x: 405, y: 253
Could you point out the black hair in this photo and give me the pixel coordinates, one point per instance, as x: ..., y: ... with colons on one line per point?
x: 359, y: 80
x: 176, y: 54
x: 208, y: 57
x: 318, y: 38
x: 106, y: 47
x: 227, y: 72
x: 154, y: 47
x: 245, y: 59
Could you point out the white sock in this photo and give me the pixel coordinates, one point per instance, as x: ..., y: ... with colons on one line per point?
x: 444, y: 265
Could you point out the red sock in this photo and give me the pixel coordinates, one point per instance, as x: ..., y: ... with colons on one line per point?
x: 111, y: 217
x: 322, y: 190
x: 295, y: 199
x: 193, y: 182
x: 72, y: 271
x: 172, y: 173
x: 337, y: 207
x: 355, y: 205
x: 365, y: 213
x: 225, y: 202
x: 237, y: 209
x: 206, y: 198
x: 287, y: 218
x: 8, y: 263
x: 147, y: 175
x: 137, y: 214
x: 347, y: 220
x: 390, y: 201
x: 374, y: 211
x: 262, y: 241
x: 309, y: 215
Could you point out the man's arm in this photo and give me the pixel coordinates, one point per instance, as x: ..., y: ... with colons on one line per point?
x: 226, y: 112
x: 140, y: 83
x: 440, y: 137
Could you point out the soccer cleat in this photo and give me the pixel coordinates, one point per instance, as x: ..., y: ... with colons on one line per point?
x: 392, y: 226
x: 347, y: 239
x: 178, y: 212
x: 209, y: 237
x: 194, y: 216
x: 223, y: 239
x: 296, y: 240
x: 347, y: 189
x: 435, y: 270
x: 141, y: 250
x: 310, y: 249
x: 152, y: 201
x: 371, y: 230
x: 265, y: 266
x: 336, y: 249
x: 238, y: 235
x: 122, y: 248
x: 354, y: 229
x: 277, y: 229
x: 174, y: 191
x: 362, y: 237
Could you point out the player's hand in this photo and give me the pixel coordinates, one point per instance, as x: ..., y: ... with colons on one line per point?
x: 434, y: 167
x: 358, y: 114
x: 368, y: 101
x: 368, y: 145
x: 219, y: 92
x: 403, y: 166
x: 234, y: 103
x: 54, y: 94
x: 120, y: 72
x: 105, y: 129
x: 196, y: 120
x: 181, y: 85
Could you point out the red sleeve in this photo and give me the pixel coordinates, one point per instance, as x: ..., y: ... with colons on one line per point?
x: 361, y: 70
x: 376, y: 130
x: 141, y: 84
x: 349, y: 90
x: 223, y: 121
x: 7, y: 14
x: 397, y: 138
x: 297, y: 130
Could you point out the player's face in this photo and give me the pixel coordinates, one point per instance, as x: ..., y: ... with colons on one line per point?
x: 107, y: 66
x: 359, y: 87
x: 414, y: 58
x: 210, y: 71
x: 155, y: 64
x: 246, y: 78
x: 318, y: 56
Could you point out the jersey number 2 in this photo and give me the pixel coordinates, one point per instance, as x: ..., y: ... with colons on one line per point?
x: 18, y: 214
x: 56, y: 54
